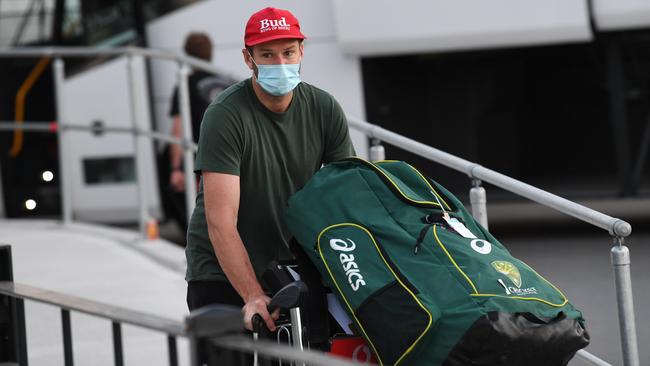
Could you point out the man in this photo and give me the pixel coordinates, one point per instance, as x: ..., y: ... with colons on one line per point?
x: 260, y: 142
x: 203, y: 88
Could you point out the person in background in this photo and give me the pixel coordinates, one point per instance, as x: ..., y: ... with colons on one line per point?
x: 203, y: 89
x: 261, y: 140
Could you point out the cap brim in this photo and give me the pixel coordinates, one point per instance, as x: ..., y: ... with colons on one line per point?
x: 273, y: 38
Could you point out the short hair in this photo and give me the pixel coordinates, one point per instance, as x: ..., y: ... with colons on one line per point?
x: 198, y: 45
x: 250, y: 48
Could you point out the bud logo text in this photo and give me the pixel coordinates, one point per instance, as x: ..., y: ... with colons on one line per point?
x: 274, y: 24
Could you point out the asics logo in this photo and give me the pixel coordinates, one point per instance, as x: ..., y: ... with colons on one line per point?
x: 350, y: 267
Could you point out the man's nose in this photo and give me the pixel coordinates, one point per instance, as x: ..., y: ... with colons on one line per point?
x: 280, y: 59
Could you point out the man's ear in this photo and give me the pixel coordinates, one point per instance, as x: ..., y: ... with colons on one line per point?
x: 247, y: 58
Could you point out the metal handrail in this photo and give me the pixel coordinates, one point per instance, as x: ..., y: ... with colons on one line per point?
x: 59, y: 76
x: 591, y: 359
x: 291, y: 354
x: 218, y: 324
x: 52, y: 127
x: 111, y: 312
x: 614, y: 225
x: 171, y: 328
x: 6, y: 52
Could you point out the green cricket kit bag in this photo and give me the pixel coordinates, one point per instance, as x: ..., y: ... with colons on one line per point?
x: 423, y: 282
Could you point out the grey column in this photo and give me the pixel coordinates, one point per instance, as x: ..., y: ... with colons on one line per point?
x: 62, y: 133
x: 621, y: 264
x: 377, y: 151
x: 188, y: 154
x: 478, y: 200
x: 139, y: 141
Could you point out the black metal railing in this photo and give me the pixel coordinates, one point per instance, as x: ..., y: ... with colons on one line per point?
x: 218, y: 325
x: 14, y: 295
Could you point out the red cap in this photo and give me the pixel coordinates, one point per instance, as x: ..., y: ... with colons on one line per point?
x: 269, y: 24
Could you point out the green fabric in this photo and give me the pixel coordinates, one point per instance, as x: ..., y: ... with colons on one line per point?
x: 449, y: 280
x: 274, y: 154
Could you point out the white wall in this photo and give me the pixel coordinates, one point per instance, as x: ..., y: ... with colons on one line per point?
x: 621, y: 14
x: 324, y: 64
x: 381, y: 27
x: 102, y: 93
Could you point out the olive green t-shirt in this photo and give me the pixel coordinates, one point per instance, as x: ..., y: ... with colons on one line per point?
x: 274, y: 154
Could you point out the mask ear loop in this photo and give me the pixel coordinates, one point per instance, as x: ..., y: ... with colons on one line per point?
x: 255, y: 67
x: 251, y: 56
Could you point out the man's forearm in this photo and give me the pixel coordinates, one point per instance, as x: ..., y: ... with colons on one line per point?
x: 175, y: 149
x: 235, y: 262
x: 175, y: 155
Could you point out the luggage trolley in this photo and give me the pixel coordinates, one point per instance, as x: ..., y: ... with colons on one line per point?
x: 292, y: 329
x: 288, y: 298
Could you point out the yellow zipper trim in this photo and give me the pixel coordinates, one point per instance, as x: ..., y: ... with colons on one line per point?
x: 408, y: 350
x: 478, y: 294
x: 435, y: 233
x: 523, y: 298
x: 552, y: 285
x: 430, y: 186
x: 381, y: 171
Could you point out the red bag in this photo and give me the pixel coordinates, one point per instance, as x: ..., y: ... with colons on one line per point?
x: 354, y: 348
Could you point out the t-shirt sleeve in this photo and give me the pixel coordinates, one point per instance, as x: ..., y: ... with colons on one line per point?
x: 337, y: 141
x: 173, y: 108
x: 220, y: 142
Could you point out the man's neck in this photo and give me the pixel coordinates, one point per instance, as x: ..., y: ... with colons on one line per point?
x: 274, y: 104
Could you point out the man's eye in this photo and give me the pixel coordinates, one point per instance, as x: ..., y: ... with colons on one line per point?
x: 266, y: 55
x: 290, y: 53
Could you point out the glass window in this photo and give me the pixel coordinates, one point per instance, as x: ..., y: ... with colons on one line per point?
x: 99, y: 22
x: 109, y: 170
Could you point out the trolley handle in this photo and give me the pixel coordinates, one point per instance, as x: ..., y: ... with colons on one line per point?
x: 286, y: 298
x: 258, y: 322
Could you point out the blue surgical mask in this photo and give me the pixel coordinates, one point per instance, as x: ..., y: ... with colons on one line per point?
x: 278, y: 80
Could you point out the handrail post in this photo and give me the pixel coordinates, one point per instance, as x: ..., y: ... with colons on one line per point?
x: 478, y: 200
x: 188, y: 155
x: 13, y: 337
x: 66, y: 327
x: 118, y: 353
x: 62, y: 133
x: 172, y: 350
x: 141, y: 175
x: 377, y: 151
x: 195, y: 351
x: 621, y: 264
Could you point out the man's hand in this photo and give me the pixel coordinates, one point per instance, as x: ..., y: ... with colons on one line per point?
x: 257, y: 305
x: 177, y: 180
